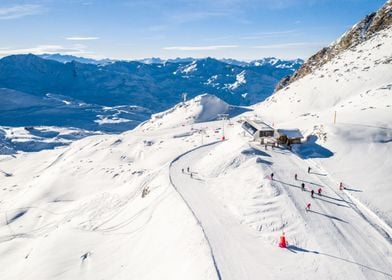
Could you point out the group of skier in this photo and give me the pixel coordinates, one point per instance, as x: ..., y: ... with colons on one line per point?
x: 319, y: 191
x: 188, y: 171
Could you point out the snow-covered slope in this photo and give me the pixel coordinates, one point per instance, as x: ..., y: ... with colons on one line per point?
x: 101, y: 208
x: 359, y: 33
x: 202, y: 108
x: 357, y: 85
x: 125, y: 206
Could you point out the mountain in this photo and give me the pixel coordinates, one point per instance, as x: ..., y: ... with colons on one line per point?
x: 69, y: 58
x: 157, y: 60
x: 75, y: 93
x: 359, y: 33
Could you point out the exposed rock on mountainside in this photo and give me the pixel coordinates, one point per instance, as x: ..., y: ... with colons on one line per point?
x: 359, y: 33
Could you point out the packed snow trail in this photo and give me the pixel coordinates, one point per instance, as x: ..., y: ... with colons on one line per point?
x: 360, y: 250
x: 237, y: 250
x: 347, y: 246
x: 234, y: 254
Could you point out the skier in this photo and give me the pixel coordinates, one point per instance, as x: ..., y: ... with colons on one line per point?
x: 319, y: 191
x: 187, y: 169
x: 295, y: 177
x: 309, y: 169
x: 307, y: 207
x: 182, y: 170
x: 272, y: 176
x: 312, y: 193
x: 341, y: 187
x: 303, y: 186
x: 191, y: 175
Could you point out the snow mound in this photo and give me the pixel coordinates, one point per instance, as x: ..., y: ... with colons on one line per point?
x: 202, y: 108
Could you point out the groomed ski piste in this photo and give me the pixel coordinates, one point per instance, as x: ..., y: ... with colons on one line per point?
x: 126, y: 206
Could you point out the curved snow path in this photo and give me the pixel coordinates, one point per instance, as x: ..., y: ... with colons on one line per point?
x: 236, y: 250
x: 348, y: 246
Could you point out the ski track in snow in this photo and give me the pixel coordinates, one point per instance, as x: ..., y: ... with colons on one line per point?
x: 352, y: 243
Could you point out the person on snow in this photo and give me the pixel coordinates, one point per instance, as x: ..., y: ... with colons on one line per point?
x: 295, y: 177
x: 319, y: 191
x: 187, y: 169
x: 303, y: 186
x: 309, y: 169
x: 341, y: 187
x: 191, y: 175
x: 182, y: 170
x: 272, y: 176
x: 308, y: 207
x: 312, y: 193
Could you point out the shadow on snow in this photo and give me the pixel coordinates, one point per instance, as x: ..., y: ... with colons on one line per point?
x: 294, y: 249
x: 310, y: 149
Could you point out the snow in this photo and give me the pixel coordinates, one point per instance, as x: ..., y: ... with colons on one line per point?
x: 200, y: 109
x: 123, y: 200
x: 190, y: 68
x: 187, y: 69
x: 291, y: 133
x: 82, y: 209
x: 36, y: 138
x: 110, y: 120
x: 240, y: 80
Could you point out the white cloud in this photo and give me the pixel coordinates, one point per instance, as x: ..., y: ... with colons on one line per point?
x: 19, y: 11
x: 81, y: 38
x: 76, y: 49
x: 200, y: 48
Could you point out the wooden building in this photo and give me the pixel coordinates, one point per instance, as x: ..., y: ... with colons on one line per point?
x: 289, y: 136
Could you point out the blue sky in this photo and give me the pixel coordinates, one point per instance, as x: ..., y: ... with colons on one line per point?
x: 134, y: 29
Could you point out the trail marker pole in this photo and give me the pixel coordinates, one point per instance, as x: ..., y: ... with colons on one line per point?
x: 223, y: 117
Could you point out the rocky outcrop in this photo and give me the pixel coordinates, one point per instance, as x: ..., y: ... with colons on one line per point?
x: 359, y: 33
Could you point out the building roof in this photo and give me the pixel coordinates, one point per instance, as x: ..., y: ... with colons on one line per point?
x: 290, y: 133
x: 260, y: 125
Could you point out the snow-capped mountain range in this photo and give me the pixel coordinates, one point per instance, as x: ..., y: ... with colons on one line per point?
x: 81, y: 91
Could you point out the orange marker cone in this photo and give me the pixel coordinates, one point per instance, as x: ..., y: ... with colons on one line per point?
x: 282, y: 241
